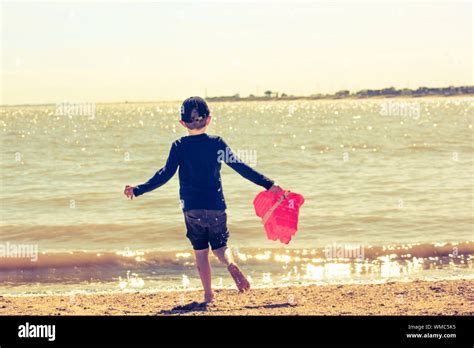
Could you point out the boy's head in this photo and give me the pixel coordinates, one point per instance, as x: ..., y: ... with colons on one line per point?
x: 195, y: 113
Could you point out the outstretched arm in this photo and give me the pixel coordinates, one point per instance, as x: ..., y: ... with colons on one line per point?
x: 243, y: 169
x: 162, y: 176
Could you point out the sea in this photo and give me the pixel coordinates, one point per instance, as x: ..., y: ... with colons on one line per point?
x: 387, y: 182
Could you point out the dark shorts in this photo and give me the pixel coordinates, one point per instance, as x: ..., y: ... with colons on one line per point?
x: 206, y: 227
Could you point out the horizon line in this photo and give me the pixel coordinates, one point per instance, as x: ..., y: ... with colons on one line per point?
x: 288, y: 96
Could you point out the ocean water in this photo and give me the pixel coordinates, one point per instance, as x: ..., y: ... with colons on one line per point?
x: 388, y: 187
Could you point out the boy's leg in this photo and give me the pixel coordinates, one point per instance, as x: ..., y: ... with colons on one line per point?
x: 224, y: 255
x: 198, y: 235
x: 204, y: 269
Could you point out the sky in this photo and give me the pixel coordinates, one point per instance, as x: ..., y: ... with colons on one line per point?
x: 146, y: 51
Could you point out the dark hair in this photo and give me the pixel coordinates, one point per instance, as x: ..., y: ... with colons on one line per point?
x: 194, y: 112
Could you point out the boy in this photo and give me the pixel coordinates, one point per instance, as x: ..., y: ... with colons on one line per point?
x: 199, y: 157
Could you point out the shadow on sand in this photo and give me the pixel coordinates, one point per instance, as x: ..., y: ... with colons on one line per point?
x: 203, y: 307
x: 271, y: 306
x: 190, y: 307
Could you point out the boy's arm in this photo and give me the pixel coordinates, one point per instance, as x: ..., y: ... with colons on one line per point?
x: 163, y: 175
x: 243, y: 169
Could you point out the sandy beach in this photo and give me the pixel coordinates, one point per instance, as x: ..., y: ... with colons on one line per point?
x: 453, y: 297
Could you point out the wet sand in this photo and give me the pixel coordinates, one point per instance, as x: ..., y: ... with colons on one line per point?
x: 453, y: 297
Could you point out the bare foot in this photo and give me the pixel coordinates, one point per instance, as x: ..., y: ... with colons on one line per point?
x: 208, y: 298
x: 239, y: 278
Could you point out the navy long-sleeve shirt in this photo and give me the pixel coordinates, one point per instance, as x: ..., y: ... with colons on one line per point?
x: 199, y: 159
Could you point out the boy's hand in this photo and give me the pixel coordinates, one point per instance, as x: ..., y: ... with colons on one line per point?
x: 275, y: 189
x: 128, y: 191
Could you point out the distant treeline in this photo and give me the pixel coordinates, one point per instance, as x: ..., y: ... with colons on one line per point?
x: 366, y: 93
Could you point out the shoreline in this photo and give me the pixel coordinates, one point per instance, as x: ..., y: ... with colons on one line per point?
x: 264, y: 99
x: 445, y: 297
x: 334, y: 98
